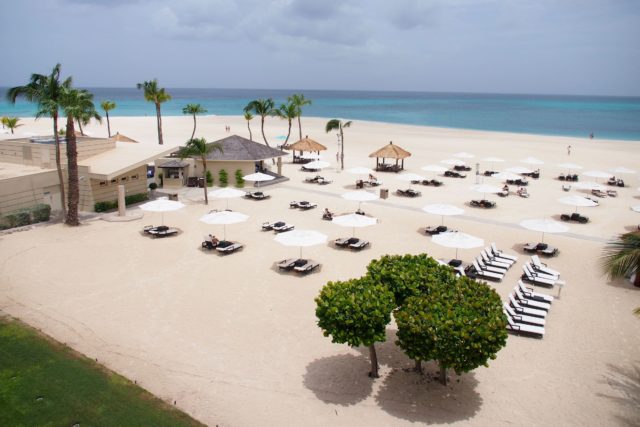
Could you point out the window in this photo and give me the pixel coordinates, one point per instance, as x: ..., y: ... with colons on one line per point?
x: 103, y: 183
x: 172, y: 173
x: 134, y: 177
x: 114, y: 181
x: 124, y: 179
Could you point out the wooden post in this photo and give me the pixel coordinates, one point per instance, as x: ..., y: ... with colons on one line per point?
x: 122, y: 207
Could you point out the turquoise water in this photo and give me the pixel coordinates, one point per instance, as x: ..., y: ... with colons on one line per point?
x: 605, y: 117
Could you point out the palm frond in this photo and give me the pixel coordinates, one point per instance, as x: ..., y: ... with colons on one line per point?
x: 621, y: 257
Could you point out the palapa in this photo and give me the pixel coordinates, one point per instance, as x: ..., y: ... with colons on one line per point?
x: 121, y: 138
x: 305, y: 144
x: 392, y: 152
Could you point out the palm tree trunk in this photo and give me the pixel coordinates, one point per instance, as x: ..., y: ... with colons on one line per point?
x: 636, y: 281
x: 374, y: 361
x: 108, y: 124
x: 194, y: 126
x: 204, y: 175
x: 159, y: 117
x: 299, y: 127
x: 56, y: 137
x: 342, y: 148
x: 273, y: 161
x: 80, y: 127
x: 249, y: 127
x: 72, y: 169
x: 288, y: 134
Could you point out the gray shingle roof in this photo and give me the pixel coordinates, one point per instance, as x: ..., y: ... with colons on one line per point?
x: 238, y: 148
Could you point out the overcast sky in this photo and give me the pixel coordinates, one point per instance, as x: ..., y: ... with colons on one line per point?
x: 503, y: 46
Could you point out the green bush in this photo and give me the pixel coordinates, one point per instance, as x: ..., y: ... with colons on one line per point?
x: 40, y: 213
x: 209, y: 179
x: 239, y: 178
x: 113, y: 204
x: 32, y: 215
x: 153, y: 186
x: 224, y: 178
x: 135, y: 198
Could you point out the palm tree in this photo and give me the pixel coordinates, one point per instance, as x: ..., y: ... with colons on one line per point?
x: 77, y: 104
x: 11, y: 122
x: 287, y: 112
x: 262, y: 108
x: 84, y: 117
x: 299, y: 101
x: 46, y: 91
x: 193, y: 109
x: 153, y: 93
x: 621, y: 257
x: 334, y: 124
x: 199, y: 147
x: 108, y: 106
x: 248, y: 117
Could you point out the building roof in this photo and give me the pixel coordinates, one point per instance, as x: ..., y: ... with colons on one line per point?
x: 174, y: 164
x: 391, y: 151
x: 123, y: 158
x: 306, y: 144
x: 237, y: 148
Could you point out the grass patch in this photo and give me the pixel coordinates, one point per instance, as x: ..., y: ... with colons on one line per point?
x: 45, y: 383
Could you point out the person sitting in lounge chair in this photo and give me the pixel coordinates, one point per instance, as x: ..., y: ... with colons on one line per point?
x: 327, y: 214
x: 522, y: 192
x: 214, y: 240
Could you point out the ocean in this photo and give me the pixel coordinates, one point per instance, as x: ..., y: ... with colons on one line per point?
x: 579, y: 116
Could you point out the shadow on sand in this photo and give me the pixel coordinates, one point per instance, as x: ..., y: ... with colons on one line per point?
x: 625, y: 381
x: 340, y: 379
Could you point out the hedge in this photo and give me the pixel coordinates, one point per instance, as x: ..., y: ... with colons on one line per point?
x: 113, y: 204
x: 33, y: 215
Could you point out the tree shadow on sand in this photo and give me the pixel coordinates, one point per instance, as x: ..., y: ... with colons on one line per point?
x: 341, y: 379
x: 626, y: 382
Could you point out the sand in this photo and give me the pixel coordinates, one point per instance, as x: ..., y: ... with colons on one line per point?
x: 234, y: 342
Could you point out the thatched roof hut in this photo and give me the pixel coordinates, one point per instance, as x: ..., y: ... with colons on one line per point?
x: 390, y: 151
x: 121, y: 138
x: 306, y: 144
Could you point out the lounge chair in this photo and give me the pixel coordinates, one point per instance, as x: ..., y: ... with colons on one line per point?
x: 530, y: 276
x: 521, y: 328
x: 519, y: 182
x: 490, y: 268
x: 207, y: 242
x: 489, y: 253
x: 409, y: 192
x: 501, y: 254
x: 352, y: 242
x: 541, y: 248
x: 435, y: 230
x: 257, y: 195
x: 494, y: 262
x: 537, y: 296
x: 287, y: 264
x: 313, y: 180
x: 227, y: 247
x: 542, y: 267
x: 523, y: 318
x: 162, y: 231
x: 482, y: 204
x: 612, y: 193
x: 474, y: 271
x: 520, y: 309
x: 323, y: 181
x: 305, y: 266
x: 598, y: 193
x: 526, y: 302
x: 304, y: 205
x: 454, y: 174
x: 278, y: 226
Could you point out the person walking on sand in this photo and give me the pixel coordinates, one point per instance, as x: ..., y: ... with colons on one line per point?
x: 568, y: 150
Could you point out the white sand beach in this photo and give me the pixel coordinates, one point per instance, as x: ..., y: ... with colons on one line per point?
x: 234, y: 342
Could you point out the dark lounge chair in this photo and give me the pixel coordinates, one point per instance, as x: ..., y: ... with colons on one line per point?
x: 575, y: 217
x: 409, y: 192
x: 482, y: 204
x: 305, y: 266
x: 256, y: 195
x: 351, y: 242
x: 435, y: 230
x: 304, y: 205
x: 227, y: 247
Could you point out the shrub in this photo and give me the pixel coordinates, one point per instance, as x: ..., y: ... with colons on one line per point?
x: 239, y: 178
x: 113, y: 204
x: 135, y: 198
x: 18, y: 219
x: 209, y: 179
x: 224, y: 178
x: 153, y: 186
x: 40, y: 213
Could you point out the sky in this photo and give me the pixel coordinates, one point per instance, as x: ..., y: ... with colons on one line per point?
x: 577, y: 47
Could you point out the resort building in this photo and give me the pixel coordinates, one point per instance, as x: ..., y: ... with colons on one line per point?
x: 238, y: 154
x: 28, y: 173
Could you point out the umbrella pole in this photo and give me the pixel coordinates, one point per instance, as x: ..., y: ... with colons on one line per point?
x: 456, y: 253
x: 224, y: 232
x: 300, y: 252
x: 543, y: 237
x: 442, y: 222
x: 162, y: 218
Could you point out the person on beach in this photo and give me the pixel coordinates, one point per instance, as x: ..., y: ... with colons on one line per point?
x: 591, y: 135
x: 568, y: 150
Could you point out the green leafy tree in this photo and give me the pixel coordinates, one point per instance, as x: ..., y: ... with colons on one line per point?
x: 198, y: 147
x: 108, y: 106
x: 209, y: 178
x: 194, y: 110
x: 299, y: 101
x: 462, y: 326
x: 223, y: 177
x: 153, y: 93
x: 248, y: 117
x: 11, y: 123
x: 621, y: 257
x: 337, y: 124
x: 287, y: 112
x: 46, y: 91
x: 409, y: 275
x: 355, y: 312
x: 76, y: 104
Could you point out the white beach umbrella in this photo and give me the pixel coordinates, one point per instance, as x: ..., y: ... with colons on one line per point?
x: 532, y: 161
x: 360, y: 196
x: 598, y: 174
x: 622, y: 170
x: 317, y: 164
x: 544, y: 225
x: 518, y: 169
x: 224, y: 218
x: 505, y: 176
x: 226, y: 193
x: 635, y: 208
x: 360, y: 170
x: 354, y: 220
x: 577, y: 201
x: 457, y: 240
x: 258, y: 177
x: 570, y: 166
x: 486, y: 188
x: 464, y: 155
x: 493, y: 159
x: 589, y: 185
x: 453, y: 162
x: 409, y: 176
x: 434, y: 168
x: 442, y: 210
x: 301, y: 238
x: 162, y: 204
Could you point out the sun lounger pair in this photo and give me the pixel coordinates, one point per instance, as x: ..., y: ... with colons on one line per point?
x: 540, y: 279
x: 409, y: 192
x: 304, y: 205
x: 491, y: 268
x: 541, y: 248
x: 227, y: 247
x: 256, y: 195
x: 575, y: 217
x: 433, y: 182
x: 351, y: 242
x: 159, y: 231
x: 482, y: 204
x: 435, y: 230
x: 454, y: 174
x: 298, y: 264
x: 278, y: 226
x: 523, y: 318
x: 523, y: 328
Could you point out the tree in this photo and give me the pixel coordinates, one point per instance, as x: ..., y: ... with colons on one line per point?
x: 621, y: 257
x: 262, y: 108
x: 287, y: 112
x: 153, y: 93
x: 355, y: 312
x: 193, y: 109
x: 46, y: 91
x: 108, y: 106
x: 77, y: 104
x: 199, y: 147
x: 86, y: 113
x: 248, y: 117
x: 461, y: 326
x: 11, y: 122
x: 299, y: 101
x: 334, y: 124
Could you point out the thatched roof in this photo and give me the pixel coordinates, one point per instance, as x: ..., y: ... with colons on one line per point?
x: 391, y: 151
x: 236, y: 148
x: 306, y: 144
x: 121, y: 138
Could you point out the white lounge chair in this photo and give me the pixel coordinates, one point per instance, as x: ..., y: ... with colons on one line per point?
x: 306, y: 267
x: 493, y: 262
x: 521, y: 328
x: 526, y: 302
x: 486, y: 267
x: 478, y: 271
x: 498, y: 252
x: 520, y: 309
x: 521, y: 318
x: 536, y: 278
x: 537, y: 296
x: 487, y: 254
x: 227, y: 247
x: 542, y: 267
